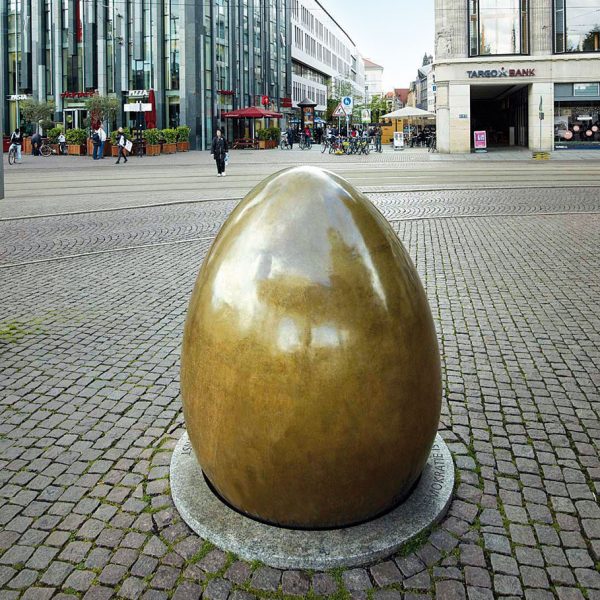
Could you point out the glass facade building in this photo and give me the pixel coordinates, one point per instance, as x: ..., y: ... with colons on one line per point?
x: 200, y: 58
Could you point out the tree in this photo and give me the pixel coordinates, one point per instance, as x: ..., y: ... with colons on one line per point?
x: 378, y: 107
x: 37, y: 113
x: 102, y: 108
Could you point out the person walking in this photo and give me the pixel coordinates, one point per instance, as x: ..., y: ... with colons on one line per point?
x: 121, y: 141
x: 16, y: 141
x: 96, y: 143
x: 219, y: 151
x: 290, y: 137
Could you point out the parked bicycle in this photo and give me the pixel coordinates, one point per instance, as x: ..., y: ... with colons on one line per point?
x: 12, y: 154
x: 305, y: 143
x: 284, y: 144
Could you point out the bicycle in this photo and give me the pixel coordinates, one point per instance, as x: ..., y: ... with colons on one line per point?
x: 305, y: 143
x: 432, y: 144
x: 284, y: 144
x: 45, y: 149
x: 12, y: 154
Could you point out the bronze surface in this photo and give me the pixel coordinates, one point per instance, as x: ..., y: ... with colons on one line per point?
x: 310, y: 369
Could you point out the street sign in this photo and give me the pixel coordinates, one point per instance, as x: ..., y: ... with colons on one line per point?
x: 339, y: 111
x: 18, y: 97
x: 347, y: 104
x: 365, y: 115
x: 138, y: 107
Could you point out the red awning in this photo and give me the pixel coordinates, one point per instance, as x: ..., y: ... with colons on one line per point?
x: 251, y: 112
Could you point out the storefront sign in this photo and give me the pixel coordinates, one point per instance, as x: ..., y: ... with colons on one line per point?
x: 77, y: 94
x: 365, y: 115
x: 226, y: 92
x: 501, y: 72
x: 138, y: 107
x: 137, y: 93
x: 286, y: 102
x: 480, y: 139
x: 16, y: 97
x: 586, y: 89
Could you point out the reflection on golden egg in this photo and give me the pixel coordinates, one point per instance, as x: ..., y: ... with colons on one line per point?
x: 310, y: 369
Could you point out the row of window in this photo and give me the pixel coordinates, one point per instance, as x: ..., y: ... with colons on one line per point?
x: 498, y: 27
x: 302, y: 90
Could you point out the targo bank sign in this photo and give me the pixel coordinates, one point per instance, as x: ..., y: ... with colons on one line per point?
x: 501, y: 72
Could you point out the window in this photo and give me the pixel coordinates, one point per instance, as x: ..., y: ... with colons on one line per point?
x: 498, y: 27
x: 576, y: 26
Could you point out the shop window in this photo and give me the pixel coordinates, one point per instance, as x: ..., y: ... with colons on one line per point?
x: 498, y: 27
x: 576, y: 26
x: 577, y: 123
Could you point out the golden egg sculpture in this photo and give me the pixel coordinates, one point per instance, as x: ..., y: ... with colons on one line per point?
x: 310, y: 369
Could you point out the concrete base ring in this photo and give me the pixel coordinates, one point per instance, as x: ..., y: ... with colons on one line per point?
x: 284, y: 548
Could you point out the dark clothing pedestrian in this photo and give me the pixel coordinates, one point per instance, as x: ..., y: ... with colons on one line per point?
x: 36, y: 142
x: 290, y: 137
x: 122, y: 153
x: 219, y: 150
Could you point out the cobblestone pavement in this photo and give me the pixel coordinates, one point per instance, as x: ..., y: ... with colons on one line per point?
x: 90, y: 413
x: 77, y: 184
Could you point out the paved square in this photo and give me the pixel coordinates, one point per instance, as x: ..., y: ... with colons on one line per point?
x: 92, y: 309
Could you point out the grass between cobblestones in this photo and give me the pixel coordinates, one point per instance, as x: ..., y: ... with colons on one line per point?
x: 90, y: 414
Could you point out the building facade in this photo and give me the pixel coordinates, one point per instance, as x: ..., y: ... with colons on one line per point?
x: 200, y: 58
x: 373, y: 80
x: 527, y: 72
x: 325, y: 60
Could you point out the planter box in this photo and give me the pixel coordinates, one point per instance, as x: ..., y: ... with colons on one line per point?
x: 183, y: 146
x: 76, y: 150
x: 26, y: 145
x: 152, y: 149
x: 107, y: 148
x: 262, y: 144
x: 169, y: 148
x: 114, y: 151
x: 89, y: 147
x: 55, y: 149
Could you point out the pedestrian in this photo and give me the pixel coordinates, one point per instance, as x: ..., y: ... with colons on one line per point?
x: 290, y: 137
x: 62, y: 143
x: 121, y: 141
x: 96, y: 143
x: 102, y: 136
x: 36, y: 142
x: 219, y: 151
x: 16, y: 141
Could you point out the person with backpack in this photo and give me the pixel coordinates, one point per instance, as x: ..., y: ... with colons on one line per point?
x: 121, y: 141
x: 96, y: 142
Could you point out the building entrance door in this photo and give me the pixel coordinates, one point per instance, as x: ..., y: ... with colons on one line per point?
x: 74, y: 118
x: 500, y: 111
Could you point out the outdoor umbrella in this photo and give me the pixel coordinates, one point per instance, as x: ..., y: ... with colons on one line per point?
x: 252, y: 112
x: 409, y: 112
x: 150, y: 116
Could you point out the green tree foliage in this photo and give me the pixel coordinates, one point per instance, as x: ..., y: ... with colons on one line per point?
x: 35, y: 112
x: 102, y: 108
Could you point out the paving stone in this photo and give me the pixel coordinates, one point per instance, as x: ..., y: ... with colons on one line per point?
x: 164, y: 578
x: 356, y: 579
x: 241, y: 595
x: 507, y: 585
x: 112, y: 574
x: 477, y: 577
x: 56, y: 573
x: 387, y: 595
x: 238, y: 572
x: 450, y: 590
x: 187, y: 591
x: 420, y: 581
x: 132, y: 588
x: 23, y: 579
x: 38, y: 593
x: 79, y: 580
x: 213, y: 562
x: 217, y: 589
x: 323, y: 584
x: 386, y: 573
x: 266, y: 579
x: 97, y: 592
x: 295, y: 583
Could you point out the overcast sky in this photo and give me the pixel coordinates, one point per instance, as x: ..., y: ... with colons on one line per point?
x: 392, y: 33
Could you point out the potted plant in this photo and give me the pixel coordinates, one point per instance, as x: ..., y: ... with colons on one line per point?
x: 183, y: 138
x: 274, y: 136
x: 169, y: 137
x: 263, y: 137
x: 53, y: 134
x: 152, y: 137
x: 38, y: 115
x: 76, y: 139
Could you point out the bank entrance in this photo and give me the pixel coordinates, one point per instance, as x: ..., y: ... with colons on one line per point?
x: 500, y: 111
